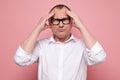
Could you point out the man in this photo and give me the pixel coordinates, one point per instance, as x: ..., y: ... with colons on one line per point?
x: 61, y: 57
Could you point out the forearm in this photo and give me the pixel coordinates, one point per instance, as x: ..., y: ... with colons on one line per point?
x: 87, y: 37
x: 29, y: 43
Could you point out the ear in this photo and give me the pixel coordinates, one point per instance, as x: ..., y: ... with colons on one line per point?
x: 47, y: 22
x: 73, y: 22
x: 50, y: 24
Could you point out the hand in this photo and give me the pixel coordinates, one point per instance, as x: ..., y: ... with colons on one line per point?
x: 44, y: 21
x: 87, y: 37
x: 76, y: 20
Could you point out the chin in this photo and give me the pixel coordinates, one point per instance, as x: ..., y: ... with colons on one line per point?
x: 62, y: 35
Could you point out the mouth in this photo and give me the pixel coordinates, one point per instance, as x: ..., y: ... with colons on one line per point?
x: 61, y: 30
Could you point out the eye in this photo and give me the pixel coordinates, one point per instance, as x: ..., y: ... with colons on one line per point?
x: 55, y: 21
x: 66, y: 20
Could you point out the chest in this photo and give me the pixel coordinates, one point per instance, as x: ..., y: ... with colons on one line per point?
x: 64, y: 52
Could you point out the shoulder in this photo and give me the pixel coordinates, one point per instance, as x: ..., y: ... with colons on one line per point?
x: 44, y: 41
x: 79, y: 41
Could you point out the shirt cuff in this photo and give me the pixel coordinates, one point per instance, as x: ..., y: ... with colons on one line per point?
x: 22, y: 52
x: 95, y: 49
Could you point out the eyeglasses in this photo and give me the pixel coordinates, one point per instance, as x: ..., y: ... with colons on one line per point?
x: 56, y: 21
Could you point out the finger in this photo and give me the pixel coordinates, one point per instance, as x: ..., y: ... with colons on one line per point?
x: 69, y: 13
x: 50, y: 15
x: 46, y: 19
x: 43, y: 19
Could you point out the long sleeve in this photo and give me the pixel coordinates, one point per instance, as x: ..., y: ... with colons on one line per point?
x: 24, y: 58
x: 94, y: 55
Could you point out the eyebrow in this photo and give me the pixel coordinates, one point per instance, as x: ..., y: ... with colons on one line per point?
x: 62, y: 18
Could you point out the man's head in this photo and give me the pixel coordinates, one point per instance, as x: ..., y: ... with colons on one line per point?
x: 59, y: 6
x: 60, y: 23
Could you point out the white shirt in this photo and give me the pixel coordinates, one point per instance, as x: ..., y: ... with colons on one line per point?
x: 61, y: 61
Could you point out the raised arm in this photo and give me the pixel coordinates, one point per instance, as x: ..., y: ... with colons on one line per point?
x: 94, y: 53
x: 88, y: 38
x: 29, y: 43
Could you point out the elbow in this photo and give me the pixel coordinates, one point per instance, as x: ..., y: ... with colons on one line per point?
x: 97, y: 60
x: 102, y: 59
x: 19, y: 61
x: 19, y: 64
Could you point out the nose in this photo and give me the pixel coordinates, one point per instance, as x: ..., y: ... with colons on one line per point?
x: 61, y: 25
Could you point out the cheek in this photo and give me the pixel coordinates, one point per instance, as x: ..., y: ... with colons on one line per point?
x: 68, y: 28
x: 54, y: 29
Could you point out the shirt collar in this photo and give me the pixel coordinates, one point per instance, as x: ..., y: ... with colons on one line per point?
x: 52, y: 40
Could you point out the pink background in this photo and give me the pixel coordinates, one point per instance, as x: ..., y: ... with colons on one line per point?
x: 19, y: 17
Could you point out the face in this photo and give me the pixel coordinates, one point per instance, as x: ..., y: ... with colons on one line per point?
x: 61, y: 24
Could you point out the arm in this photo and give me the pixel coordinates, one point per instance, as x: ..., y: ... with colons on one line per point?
x: 29, y: 50
x: 94, y: 53
x: 29, y: 43
x: 87, y: 37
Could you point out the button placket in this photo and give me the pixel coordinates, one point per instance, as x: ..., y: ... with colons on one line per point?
x: 60, y: 63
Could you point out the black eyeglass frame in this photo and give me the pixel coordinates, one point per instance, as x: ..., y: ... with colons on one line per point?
x: 63, y: 19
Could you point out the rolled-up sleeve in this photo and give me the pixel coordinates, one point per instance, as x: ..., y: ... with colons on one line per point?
x: 95, y: 55
x: 24, y: 58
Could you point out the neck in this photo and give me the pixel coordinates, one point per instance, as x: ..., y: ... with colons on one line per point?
x: 58, y: 39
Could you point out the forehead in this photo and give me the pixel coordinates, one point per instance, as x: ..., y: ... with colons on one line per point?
x: 60, y: 13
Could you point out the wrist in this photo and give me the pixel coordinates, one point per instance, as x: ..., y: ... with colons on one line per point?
x: 80, y: 26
